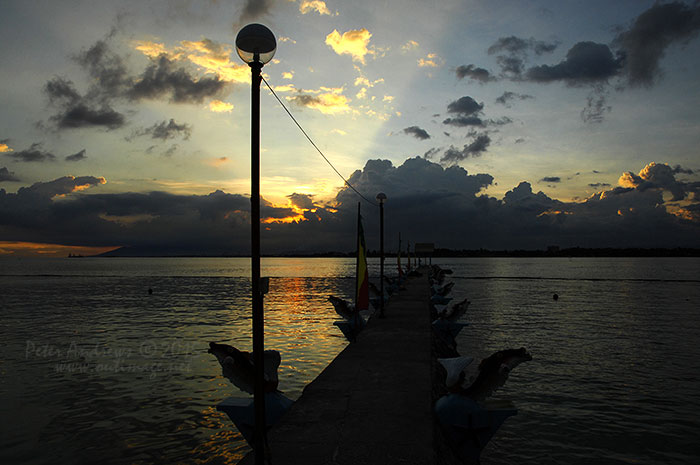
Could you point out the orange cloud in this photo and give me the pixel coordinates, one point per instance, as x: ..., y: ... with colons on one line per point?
x: 211, y: 56
x: 36, y: 249
x: 4, y: 148
x: 220, y: 107
x: 353, y: 43
x: 307, y: 6
x: 328, y: 103
x: 431, y: 61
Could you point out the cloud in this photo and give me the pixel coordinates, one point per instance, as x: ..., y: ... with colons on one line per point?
x: 304, y: 201
x: 596, y: 106
x: 430, y: 153
x: 551, y: 179
x: 33, y: 154
x: 653, y: 31
x: 308, y: 6
x: 462, y: 121
x: 465, y: 105
x: 598, y: 185
x: 218, y: 106
x: 473, y: 149
x: 656, y: 176
x: 254, y: 9
x: 517, y: 45
x: 453, y: 209
x: 352, y: 42
x: 4, y: 147
x: 7, y: 176
x: 76, y: 156
x: 60, y: 186
x: 467, y: 110
x: 508, y: 97
x: 680, y: 170
x: 417, y: 132
x: 512, y: 52
x: 328, y: 103
x: 167, y: 130
x: 164, y: 78
x: 430, y: 61
x: 410, y: 45
x: 472, y: 72
x: 585, y: 63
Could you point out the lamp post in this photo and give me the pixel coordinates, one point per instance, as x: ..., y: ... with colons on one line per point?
x: 256, y: 46
x: 381, y: 197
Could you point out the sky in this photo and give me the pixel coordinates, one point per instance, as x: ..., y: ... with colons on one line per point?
x: 488, y: 124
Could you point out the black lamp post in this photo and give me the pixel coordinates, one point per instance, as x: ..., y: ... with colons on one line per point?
x: 381, y: 197
x: 256, y: 46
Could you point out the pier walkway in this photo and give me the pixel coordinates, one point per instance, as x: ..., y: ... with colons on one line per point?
x: 372, y: 404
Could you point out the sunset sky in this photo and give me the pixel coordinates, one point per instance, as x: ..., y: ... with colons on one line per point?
x: 496, y: 124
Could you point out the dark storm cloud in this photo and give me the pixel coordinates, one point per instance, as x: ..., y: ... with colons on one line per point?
x: 304, y: 201
x: 508, y: 97
x: 106, y: 68
x: 164, y: 78
x: 7, y: 176
x: 465, y: 106
x: 77, y: 156
x: 585, y: 63
x: 417, y: 132
x: 473, y: 72
x: 76, y: 111
x: 473, y: 149
x: 426, y: 203
x: 652, y: 32
x: 111, y: 81
x: 166, y: 130
x: 80, y: 116
x: 33, y: 154
x: 551, y: 179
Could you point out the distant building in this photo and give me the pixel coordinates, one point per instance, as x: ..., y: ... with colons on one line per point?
x: 424, y: 250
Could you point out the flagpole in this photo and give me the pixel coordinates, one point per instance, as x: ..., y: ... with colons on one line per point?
x: 357, y: 261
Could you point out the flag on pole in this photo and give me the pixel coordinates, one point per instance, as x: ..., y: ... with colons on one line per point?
x: 362, y: 289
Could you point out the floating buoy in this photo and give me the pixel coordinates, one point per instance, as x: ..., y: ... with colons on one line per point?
x: 555, y: 296
x: 150, y: 291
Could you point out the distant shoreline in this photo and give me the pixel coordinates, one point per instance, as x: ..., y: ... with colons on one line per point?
x: 438, y: 253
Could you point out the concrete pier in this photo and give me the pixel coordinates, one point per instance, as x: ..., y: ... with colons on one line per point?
x: 373, y: 403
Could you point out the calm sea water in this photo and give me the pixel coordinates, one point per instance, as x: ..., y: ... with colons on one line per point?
x: 94, y: 369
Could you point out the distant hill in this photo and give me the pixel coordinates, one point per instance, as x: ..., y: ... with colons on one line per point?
x: 552, y: 252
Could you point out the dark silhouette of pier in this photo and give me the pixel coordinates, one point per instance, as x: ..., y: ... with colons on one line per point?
x: 373, y: 404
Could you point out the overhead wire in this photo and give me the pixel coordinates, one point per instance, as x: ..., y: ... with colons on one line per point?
x: 347, y: 183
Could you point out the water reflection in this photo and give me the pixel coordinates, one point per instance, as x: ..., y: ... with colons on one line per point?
x: 139, y: 387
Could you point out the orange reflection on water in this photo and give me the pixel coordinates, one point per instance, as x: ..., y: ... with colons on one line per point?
x: 224, y: 446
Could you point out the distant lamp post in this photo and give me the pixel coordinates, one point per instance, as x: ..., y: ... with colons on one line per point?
x: 381, y: 198
x: 256, y: 46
